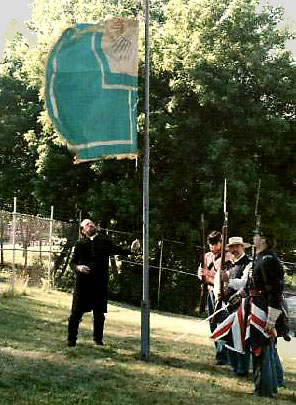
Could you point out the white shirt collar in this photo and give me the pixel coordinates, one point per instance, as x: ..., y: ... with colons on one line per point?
x: 235, y: 261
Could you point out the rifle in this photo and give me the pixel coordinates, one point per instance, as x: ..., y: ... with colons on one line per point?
x: 204, y: 288
x: 218, y: 277
x: 256, y: 232
x: 257, y: 226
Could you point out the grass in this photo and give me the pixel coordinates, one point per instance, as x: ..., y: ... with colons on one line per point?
x: 37, y: 368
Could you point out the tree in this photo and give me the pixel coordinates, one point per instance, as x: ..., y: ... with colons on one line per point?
x: 59, y: 182
x: 222, y: 105
x: 19, y: 113
x: 231, y: 109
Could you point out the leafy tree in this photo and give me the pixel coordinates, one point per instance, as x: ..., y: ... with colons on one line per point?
x: 19, y: 113
x: 222, y: 105
x: 59, y: 182
x: 231, y: 109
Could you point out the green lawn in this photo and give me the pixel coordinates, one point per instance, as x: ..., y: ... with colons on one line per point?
x: 37, y: 368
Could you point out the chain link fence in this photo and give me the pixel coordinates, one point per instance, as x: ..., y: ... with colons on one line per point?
x: 28, y: 246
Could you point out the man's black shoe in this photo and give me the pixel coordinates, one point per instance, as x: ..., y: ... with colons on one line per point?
x: 99, y: 342
x: 221, y: 363
x: 287, y: 338
x: 71, y: 343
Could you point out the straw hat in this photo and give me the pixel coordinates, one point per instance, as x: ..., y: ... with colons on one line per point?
x: 237, y: 240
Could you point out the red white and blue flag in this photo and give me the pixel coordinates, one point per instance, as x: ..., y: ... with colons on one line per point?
x: 244, y: 328
x: 233, y: 330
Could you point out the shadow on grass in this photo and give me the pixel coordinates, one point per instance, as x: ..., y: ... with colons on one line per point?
x: 30, y: 382
x: 37, y: 368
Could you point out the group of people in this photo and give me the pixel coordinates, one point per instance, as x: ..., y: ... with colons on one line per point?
x: 250, y: 320
x: 252, y: 317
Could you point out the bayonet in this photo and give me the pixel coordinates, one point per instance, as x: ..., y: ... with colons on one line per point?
x: 218, y: 283
x: 203, y: 295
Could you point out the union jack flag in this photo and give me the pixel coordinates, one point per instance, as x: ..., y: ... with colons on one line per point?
x: 244, y: 329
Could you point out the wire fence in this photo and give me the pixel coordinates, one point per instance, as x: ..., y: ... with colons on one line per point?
x: 27, y: 246
x: 30, y: 248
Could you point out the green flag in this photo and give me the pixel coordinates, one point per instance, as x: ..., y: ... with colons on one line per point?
x: 91, y: 88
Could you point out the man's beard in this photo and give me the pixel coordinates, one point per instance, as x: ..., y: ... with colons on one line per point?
x: 92, y: 231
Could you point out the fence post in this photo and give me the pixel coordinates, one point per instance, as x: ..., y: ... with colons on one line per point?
x: 2, y: 240
x: 12, y: 275
x: 50, y: 279
x: 159, y: 272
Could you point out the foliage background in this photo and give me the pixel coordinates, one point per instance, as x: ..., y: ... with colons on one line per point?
x: 222, y: 105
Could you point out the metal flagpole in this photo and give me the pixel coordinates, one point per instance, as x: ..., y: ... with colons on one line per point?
x: 145, y: 307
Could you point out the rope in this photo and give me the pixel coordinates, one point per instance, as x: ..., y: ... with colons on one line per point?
x: 204, y: 320
x: 156, y: 267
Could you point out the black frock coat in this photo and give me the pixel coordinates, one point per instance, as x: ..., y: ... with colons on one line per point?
x: 268, y: 277
x: 236, y: 270
x: 91, y: 290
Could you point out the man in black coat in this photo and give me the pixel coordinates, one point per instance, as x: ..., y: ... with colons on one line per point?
x: 91, y: 263
x: 266, y: 293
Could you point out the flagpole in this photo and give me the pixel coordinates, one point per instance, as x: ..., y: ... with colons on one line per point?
x: 145, y: 307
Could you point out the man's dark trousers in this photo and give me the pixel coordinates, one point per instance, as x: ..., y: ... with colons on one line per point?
x: 75, y: 319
